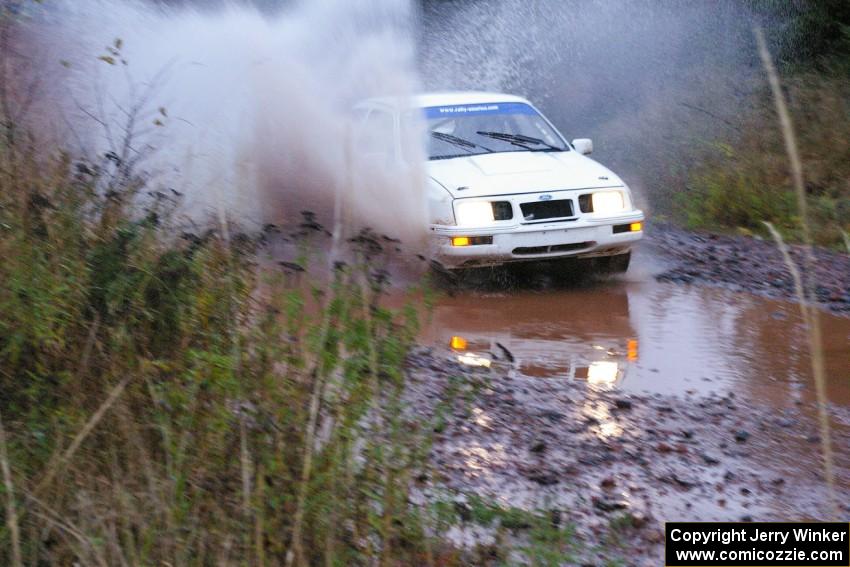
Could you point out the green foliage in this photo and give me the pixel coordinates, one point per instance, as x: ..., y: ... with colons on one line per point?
x: 538, y: 537
x: 746, y: 182
x: 200, y: 458
x: 808, y: 32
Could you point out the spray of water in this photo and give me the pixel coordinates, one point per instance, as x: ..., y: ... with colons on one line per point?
x: 246, y: 114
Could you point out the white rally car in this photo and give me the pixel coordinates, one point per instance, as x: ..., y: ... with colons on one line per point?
x: 505, y: 186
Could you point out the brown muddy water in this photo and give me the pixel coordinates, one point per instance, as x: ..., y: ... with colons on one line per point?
x: 669, y: 343
x: 641, y: 336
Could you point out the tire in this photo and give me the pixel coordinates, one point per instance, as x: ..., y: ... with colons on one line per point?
x: 618, y: 264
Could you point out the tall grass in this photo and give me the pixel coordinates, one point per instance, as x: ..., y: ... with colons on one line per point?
x: 167, y: 401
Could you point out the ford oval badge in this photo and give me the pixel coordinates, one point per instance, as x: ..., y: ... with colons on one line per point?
x: 545, y: 197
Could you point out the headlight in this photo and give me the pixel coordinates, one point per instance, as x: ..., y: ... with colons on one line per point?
x: 474, y: 213
x: 607, y: 202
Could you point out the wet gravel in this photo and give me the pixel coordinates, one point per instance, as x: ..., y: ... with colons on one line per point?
x: 748, y: 264
x: 617, y: 465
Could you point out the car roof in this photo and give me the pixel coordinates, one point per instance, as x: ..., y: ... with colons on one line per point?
x: 467, y: 97
x: 447, y: 98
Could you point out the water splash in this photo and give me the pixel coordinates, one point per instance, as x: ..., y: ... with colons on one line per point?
x: 243, y: 112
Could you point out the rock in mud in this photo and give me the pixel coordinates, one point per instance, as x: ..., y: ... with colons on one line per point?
x: 605, y: 504
x: 709, y: 459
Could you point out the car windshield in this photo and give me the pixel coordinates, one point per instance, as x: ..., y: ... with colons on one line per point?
x: 472, y: 129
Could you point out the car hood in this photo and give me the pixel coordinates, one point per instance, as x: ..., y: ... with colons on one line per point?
x: 519, y: 172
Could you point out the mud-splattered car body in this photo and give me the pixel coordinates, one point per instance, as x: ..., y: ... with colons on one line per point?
x: 505, y: 186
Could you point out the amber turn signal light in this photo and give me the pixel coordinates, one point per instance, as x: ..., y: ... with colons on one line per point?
x: 636, y: 226
x: 458, y: 343
x: 471, y: 240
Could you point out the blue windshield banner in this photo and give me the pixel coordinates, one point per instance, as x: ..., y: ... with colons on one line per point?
x: 478, y: 109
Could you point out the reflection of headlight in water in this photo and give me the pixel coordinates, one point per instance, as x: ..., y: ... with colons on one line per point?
x: 472, y: 359
x: 602, y: 372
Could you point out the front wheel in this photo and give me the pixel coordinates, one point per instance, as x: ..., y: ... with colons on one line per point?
x: 618, y: 264
x: 607, y: 265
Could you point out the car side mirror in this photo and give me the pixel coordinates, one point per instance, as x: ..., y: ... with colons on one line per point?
x: 583, y: 146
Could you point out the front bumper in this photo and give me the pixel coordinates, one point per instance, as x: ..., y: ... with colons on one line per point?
x: 582, y: 238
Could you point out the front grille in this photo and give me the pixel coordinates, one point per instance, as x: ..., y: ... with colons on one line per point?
x: 541, y: 210
x: 528, y: 250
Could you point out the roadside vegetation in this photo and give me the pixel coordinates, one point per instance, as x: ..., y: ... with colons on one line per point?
x: 744, y: 180
x: 167, y: 402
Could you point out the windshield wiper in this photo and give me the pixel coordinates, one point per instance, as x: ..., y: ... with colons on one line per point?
x: 447, y: 156
x: 465, y: 144
x: 520, y: 140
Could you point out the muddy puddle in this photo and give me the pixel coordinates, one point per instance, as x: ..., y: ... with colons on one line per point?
x: 646, y: 337
x: 679, y: 402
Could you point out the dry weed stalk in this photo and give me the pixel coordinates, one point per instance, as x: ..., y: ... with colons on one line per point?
x: 11, y: 510
x: 296, y: 552
x: 58, y: 462
x: 803, y: 287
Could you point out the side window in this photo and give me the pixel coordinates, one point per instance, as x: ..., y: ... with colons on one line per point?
x: 359, y: 115
x: 411, y: 131
x: 376, y: 135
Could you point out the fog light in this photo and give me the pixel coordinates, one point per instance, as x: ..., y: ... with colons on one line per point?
x: 460, y: 241
x: 636, y: 226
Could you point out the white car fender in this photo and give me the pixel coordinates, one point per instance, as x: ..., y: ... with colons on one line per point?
x: 439, y: 203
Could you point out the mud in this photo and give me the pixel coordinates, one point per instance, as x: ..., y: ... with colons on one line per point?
x: 619, y: 465
x: 749, y: 264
